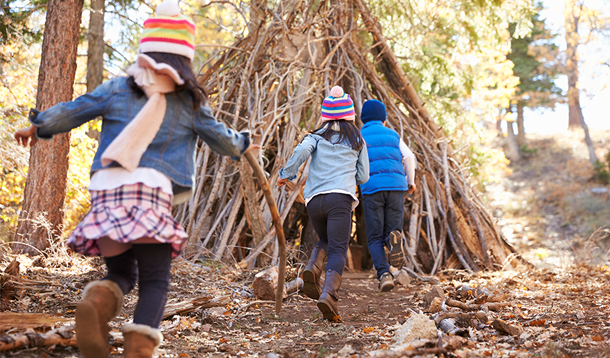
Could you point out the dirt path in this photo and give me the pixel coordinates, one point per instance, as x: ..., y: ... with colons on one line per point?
x: 544, y: 204
x: 561, y: 314
x: 544, y: 208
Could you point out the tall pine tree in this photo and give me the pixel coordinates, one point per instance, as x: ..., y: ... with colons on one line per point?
x: 45, y: 187
x: 536, y: 60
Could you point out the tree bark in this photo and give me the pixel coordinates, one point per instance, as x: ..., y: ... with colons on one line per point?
x: 572, y: 14
x: 520, y: 125
x: 45, y: 187
x: 499, y: 127
x: 95, y: 55
x: 95, y: 50
x: 588, y: 141
x: 511, y: 141
x: 572, y: 18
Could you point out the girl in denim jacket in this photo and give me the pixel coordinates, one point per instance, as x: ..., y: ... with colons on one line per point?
x: 145, y: 161
x: 339, y: 162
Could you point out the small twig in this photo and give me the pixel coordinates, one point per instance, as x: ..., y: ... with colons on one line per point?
x: 252, y: 304
x: 540, y: 316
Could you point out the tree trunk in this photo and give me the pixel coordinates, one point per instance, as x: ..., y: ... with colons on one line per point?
x: 572, y: 14
x: 45, y: 187
x: 588, y: 141
x: 511, y: 141
x: 499, y: 126
x: 95, y: 50
x: 520, y: 126
x: 95, y: 55
x: 572, y: 18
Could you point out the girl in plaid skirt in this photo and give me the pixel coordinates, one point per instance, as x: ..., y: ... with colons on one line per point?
x: 145, y: 163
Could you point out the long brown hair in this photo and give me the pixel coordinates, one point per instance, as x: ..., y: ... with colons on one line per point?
x: 183, y: 66
x: 348, y: 133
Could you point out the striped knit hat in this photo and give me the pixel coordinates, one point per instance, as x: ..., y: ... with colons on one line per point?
x: 338, y: 105
x: 169, y: 32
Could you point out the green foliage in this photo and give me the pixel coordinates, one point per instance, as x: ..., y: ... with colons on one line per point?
x: 586, y: 210
x: 16, y: 26
x: 455, y: 53
x: 536, y: 64
x: 525, y: 149
x: 602, y: 170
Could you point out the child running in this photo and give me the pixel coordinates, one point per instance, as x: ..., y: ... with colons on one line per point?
x: 145, y: 161
x: 392, y: 176
x: 339, y: 162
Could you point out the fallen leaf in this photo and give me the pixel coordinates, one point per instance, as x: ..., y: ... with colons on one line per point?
x: 537, y: 322
x: 368, y: 329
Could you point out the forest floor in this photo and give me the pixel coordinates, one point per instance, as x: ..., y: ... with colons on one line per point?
x: 558, y: 309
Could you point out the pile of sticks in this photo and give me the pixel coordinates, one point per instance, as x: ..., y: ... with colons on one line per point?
x: 272, y: 83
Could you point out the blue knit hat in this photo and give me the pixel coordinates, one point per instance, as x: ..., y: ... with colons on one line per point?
x: 373, y: 110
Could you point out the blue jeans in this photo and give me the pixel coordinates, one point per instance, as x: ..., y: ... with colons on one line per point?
x: 149, y: 265
x: 383, y: 213
x: 331, y: 216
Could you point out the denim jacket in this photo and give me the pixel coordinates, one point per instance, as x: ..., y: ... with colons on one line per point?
x: 172, y: 151
x: 333, y: 166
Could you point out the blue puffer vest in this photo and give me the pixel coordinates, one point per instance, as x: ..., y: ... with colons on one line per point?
x: 386, y: 170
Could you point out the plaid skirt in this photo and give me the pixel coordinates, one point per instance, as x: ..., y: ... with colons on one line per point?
x: 126, y: 214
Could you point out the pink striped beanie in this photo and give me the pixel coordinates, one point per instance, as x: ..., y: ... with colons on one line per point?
x: 338, y: 105
x: 169, y: 32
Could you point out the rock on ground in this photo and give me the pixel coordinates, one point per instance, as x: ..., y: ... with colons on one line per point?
x: 416, y: 327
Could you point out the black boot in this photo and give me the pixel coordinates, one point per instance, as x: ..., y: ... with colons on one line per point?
x: 311, y: 275
x: 327, y: 304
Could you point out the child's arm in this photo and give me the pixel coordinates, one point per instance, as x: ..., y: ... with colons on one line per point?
x: 66, y: 116
x: 362, y: 166
x: 221, y: 139
x: 299, y: 156
x: 408, y: 159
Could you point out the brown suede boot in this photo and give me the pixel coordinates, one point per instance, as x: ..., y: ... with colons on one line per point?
x: 327, y: 304
x: 102, y: 301
x: 140, y: 340
x: 311, y: 275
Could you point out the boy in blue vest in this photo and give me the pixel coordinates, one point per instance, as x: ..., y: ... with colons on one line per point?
x: 384, y: 193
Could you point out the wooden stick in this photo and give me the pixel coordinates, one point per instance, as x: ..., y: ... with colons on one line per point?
x: 457, y: 243
x: 63, y: 336
x: 229, y: 227
x: 208, y: 206
x: 412, y: 227
x: 277, y: 223
x: 411, y: 257
x: 184, y: 307
x: 430, y: 218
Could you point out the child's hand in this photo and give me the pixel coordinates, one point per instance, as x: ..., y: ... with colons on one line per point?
x: 252, y: 147
x: 411, y: 188
x: 24, y: 135
x: 281, y: 182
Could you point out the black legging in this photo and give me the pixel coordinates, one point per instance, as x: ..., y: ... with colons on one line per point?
x: 153, y: 263
x: 331, y: 216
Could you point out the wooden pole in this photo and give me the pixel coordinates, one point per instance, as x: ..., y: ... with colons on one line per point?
x: 279, y: 230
